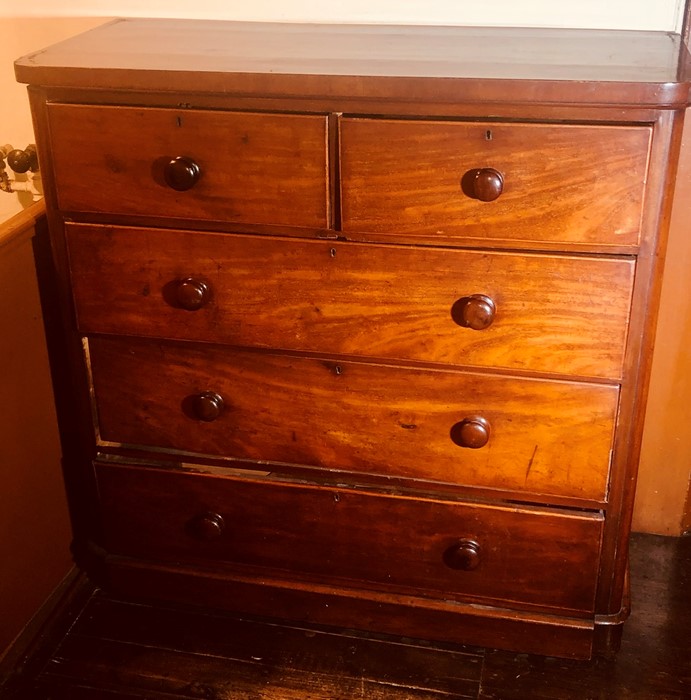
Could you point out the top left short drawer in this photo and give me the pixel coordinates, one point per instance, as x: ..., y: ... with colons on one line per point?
x: 235, y: 167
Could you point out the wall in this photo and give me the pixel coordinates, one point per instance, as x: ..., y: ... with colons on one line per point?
x: 20, y: 35
x: 665, y: 467
x: 34, y: 525
x: 662, y: 15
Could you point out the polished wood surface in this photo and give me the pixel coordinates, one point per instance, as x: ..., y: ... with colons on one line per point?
x: 561, y: 183
x: 260, y: 168
x: 563, y: 309
x: 294, y: 530
x: 601, y: 67
x: 357, y: 417
x: 127, y: 650
x: 558, y: 314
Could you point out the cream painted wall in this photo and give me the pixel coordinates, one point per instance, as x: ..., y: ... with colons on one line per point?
x: 20, y: 35
x: 660, y: 15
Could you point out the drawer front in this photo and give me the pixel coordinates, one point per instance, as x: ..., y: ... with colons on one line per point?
x: 538, y: 182
x: 454, y: 427
x: 447, y: 549
x: 550, y: 313
x: 252, y: 168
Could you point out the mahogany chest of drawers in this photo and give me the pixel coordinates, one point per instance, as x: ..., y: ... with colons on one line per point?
x: 356, y: 321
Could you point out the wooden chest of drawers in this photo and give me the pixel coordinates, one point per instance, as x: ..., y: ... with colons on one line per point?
x: 360, y: 341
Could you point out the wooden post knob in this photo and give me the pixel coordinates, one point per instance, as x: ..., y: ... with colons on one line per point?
x: 207, y: 406
x: 23, y: 161
x: 476, y: 312
x: 472, y: 432
x: 192, y: 294
x: 206, y: 526
x: 181, y: 173
x: 463, y: 556
x: 485, y: 184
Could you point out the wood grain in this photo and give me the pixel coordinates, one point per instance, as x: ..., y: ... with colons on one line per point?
x: 653, y: 660
x: 582, y: 314
x: 413, y: 665
x: 497, y: 64
x: 191, y: 675
x: 562, y: 183
x: 357, y: 417
x: 329, y: 533
x: 404, y: 616
x: 556, y: 314
x: 257, y: 168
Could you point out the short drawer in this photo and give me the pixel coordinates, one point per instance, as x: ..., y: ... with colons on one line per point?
x: 550, y: 313
x: 554, y: 183
x: 221, y: 166
x: 445, y: 549
x: 443, y: 426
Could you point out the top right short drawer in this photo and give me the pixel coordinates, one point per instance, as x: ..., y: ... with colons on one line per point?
x: 481, y: 181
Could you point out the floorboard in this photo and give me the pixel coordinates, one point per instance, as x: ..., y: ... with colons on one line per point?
x: 131, y: 651
x: 654, y: 662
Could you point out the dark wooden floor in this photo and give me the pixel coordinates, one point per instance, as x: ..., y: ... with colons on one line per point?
x: 123, y: 650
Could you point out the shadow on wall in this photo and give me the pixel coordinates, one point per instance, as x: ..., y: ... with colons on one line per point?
x: 34, y: 524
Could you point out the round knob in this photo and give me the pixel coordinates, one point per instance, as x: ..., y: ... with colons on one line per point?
x: 192, y: 294
x: 208, y: 406
x: 472, y: 432
x: 476, y: 312
x: 181, y: 173
x: 486, y: 184
x: 22, y: 161
x: 206, y: 526
x: 464, y: 555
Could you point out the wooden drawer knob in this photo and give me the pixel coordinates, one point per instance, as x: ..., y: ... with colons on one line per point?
x: 476, y: 312
x: 463, y: 556
x: 181, y: 173
x: 192, y: 294
x: 485, y: 184
x: 207, y: 406
x: 206, y: 526
x: 472, y: 432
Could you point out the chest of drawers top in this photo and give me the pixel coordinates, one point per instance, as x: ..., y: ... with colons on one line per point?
x: 460, y: 64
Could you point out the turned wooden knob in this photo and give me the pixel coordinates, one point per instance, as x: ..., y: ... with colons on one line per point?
x: 181, y: 173
x: 472, y: 432
x: 485, y: 184
x: 23, y: 161
x: 192, y: 294
x: 206, y: 526
x: 464, y: 555
x: 207, y: 406
x: 476, y: 312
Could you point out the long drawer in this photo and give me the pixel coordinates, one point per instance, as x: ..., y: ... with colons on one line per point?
x: 556, y: 183
x: 221, y: 166
x: 445, y: 426
x: 547, y: 313
x: 444, y: 549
